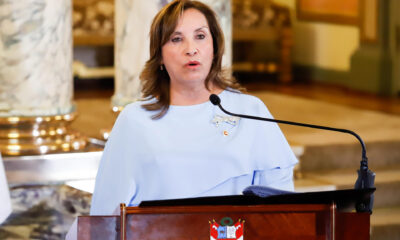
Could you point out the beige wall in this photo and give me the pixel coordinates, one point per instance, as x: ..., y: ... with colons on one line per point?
x: 323, y: 45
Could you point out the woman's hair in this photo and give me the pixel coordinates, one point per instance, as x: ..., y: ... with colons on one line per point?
x: 156, y: 81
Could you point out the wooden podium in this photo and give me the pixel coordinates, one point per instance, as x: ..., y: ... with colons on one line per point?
x: 260, y: 218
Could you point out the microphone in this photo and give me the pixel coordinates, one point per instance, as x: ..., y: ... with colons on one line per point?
x: 365, y: 179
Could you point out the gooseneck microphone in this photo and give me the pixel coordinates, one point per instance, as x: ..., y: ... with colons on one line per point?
x: 366, y: 177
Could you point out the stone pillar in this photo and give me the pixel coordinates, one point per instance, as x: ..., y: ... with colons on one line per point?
x: 133, y: 20
x: 36, y: 81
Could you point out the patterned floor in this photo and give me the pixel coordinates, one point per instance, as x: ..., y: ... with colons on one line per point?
x: 43, y: 212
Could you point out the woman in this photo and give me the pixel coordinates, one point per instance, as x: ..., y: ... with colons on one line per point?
x: 175, y: 143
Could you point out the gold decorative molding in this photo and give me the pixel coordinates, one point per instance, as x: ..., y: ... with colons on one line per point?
x: 93, y: 22
x: 369, y: 21
x: 330, y: 11
x: 262, y: 38
x: 39, y: 135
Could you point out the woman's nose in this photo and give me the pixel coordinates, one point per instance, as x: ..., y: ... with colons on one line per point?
x: 191, y: 49
x: 192, y: 52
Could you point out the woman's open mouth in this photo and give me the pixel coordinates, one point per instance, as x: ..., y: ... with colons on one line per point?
x: 192, y: 64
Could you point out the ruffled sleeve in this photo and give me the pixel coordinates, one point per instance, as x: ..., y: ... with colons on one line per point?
x: 114, y: 183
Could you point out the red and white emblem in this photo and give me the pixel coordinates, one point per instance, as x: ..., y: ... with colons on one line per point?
x: 226, y: 230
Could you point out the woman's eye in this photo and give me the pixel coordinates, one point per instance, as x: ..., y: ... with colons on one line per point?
x: 176, y: 39
x: 201, y: 36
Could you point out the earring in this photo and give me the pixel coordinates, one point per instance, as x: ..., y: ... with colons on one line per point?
x: 161, y: 67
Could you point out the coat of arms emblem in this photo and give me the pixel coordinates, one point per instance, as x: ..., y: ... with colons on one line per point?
x: 226, y: 229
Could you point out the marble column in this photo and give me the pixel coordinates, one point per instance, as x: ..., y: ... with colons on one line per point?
x: 133, y: 20
x: 35, y: 58
x: 36, y: 81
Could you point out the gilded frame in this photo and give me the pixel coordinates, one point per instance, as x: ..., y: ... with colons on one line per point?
x: 331, y: 11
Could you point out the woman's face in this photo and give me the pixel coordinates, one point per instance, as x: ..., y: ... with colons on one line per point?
x: 188, y: 54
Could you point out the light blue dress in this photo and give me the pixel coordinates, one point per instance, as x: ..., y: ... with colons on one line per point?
x: 192, y: 151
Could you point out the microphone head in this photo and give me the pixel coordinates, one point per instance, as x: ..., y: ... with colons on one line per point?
x: 215, y: 99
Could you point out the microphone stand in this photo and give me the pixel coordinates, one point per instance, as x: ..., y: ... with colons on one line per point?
x: 365, y: 179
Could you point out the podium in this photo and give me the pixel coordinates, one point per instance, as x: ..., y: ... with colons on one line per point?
x: 320, y: 215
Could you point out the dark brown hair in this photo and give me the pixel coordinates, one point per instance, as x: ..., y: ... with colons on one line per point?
x: 155, y: 81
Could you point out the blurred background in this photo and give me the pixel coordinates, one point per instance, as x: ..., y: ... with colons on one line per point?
x: 326, y: 62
